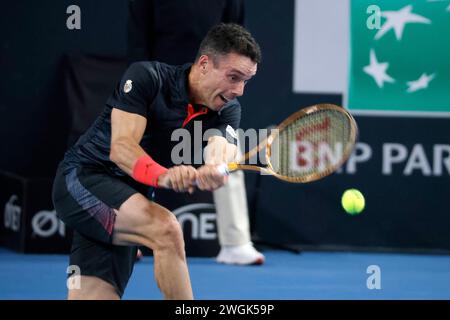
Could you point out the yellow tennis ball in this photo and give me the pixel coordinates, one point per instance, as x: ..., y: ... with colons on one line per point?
x: 353, y: 201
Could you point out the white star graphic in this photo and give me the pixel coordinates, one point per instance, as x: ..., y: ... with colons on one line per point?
x: 448, y: 7
x: 397, y: 21
x: 421, y: 83
x: 378, y: 70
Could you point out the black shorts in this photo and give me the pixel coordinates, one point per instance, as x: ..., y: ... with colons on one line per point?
x: 85, y: 199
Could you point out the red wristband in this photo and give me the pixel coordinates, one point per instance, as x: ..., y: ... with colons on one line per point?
x: 147, y: 171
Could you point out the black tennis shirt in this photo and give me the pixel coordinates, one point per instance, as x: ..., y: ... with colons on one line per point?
x: 159, y: 92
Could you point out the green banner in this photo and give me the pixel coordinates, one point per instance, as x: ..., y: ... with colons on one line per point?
x: 400, y: 56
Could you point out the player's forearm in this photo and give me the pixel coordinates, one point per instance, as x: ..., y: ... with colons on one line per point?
x: 124, y: 153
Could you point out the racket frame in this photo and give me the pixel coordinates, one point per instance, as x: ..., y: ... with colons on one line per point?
x: 267, y: 143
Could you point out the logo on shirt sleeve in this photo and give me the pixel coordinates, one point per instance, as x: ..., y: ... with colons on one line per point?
x: 128, y: 86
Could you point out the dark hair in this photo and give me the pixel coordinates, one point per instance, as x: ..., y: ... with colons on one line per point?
x: 225, y: 38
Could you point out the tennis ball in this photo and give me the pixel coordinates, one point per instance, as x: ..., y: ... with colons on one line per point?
x: 353, y: 201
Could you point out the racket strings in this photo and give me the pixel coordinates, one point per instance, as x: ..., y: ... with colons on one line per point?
x: 312, y: 145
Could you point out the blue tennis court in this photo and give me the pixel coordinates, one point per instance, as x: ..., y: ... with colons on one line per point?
x: 309, y: 275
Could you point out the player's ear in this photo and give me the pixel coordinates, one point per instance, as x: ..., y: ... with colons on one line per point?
x: 203, y: 63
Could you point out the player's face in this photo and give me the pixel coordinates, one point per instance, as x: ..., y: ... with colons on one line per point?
x: 225, y: 79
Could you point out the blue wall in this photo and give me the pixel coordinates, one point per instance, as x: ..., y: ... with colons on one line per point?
x: 34, y: 117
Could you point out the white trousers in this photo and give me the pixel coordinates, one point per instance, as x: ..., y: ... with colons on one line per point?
x: 232, y: 212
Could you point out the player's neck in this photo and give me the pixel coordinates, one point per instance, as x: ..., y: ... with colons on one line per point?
x: 193, y: 85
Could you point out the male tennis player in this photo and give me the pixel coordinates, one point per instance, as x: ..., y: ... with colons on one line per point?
x: 100, y: 186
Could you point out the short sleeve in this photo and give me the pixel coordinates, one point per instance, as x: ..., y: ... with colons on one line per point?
x: 136, y: 90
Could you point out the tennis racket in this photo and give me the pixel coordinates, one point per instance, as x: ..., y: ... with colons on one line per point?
x: 309, y: 145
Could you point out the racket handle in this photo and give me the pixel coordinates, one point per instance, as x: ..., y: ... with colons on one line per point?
x: 222, y: 169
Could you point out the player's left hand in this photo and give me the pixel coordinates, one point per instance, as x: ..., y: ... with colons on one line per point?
x: 219, y: 151
x: 209, y: 178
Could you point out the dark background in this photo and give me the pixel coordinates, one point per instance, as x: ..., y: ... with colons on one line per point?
x: 402, y: 213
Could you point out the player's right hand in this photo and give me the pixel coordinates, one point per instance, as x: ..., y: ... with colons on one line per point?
x: 179, y: 178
